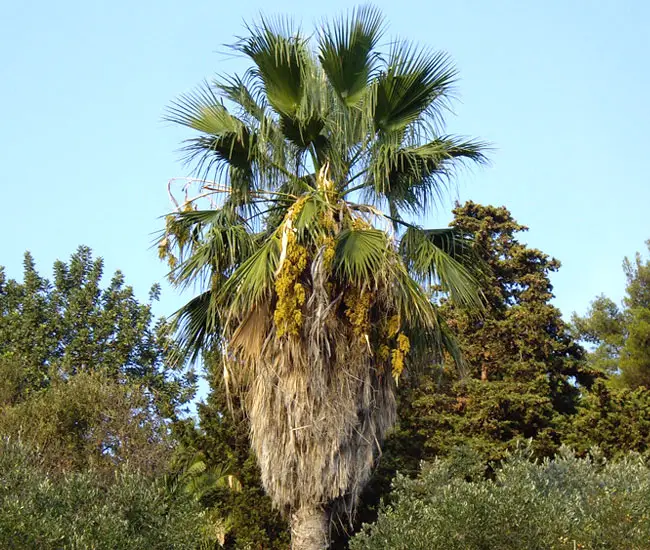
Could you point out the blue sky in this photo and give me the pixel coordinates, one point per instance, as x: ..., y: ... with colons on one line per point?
x: 560, y: 88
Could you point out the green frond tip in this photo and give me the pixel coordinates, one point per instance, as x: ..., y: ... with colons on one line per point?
x: 280, y: 56
x: 411, y: 177
x: 413, y: 84
x: 346, y: 52
x: 252, y: 281
x: 196, y: 326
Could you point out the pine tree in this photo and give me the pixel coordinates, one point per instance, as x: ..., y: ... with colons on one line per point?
x: 621, y: 336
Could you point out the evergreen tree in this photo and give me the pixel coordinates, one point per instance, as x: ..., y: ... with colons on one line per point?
x: 621, y: 336
x: 524, y: 371
x: 54, y: 330
x: 617, y: 420
x: 615, y: 414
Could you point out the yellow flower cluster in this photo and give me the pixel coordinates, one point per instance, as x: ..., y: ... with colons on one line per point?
x: 399, y: 354
x: 360, y: 224
x: 329, y: 252
x: 393, y: 326
x: 181, y: 235
x: 291, y: 293
x: 358, y: 310
x: 383, y: 353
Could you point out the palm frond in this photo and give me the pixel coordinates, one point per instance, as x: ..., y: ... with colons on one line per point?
x: 409, y: 178
x: 223, y: 242
x: 428, y: 347
x: 290, y: 78
x: 197, y: 327
x: 252, y: 281
x: 225, y: 143
x: 346, y: 52
x: 414, y: 82
x: 413, y: 304
x: 361, y: 255
x: 443, y: 258
x: 279, y: 54
x: 246, y: 93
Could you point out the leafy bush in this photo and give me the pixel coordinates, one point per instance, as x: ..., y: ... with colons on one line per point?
x: 85, y: 509
x: 533, y: 505
x: 90, y: 420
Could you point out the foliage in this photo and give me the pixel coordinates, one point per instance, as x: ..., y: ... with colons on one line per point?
x: 621, y: 336
x: 86, y: 509
x: 615, y: 419
x: 90, y: 421
x: 557, y: 504
x: 83, y: 370
x: 51, y: 331
x: 316, y: 155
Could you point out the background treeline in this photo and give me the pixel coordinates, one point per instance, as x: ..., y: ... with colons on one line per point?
x: 97, y: 448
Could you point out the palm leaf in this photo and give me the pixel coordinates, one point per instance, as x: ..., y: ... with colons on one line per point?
x: 346, y: 52
x: 224, y: 243
x: 361, y: 255
x: 443, y: 258
x: 410, y: 177
x: 429, y: 346
x: 290, y: 79
x: 246, y: 93
x: 225, y: 141
x: 414, y: 83
x: 279, y: 54
x: 252, y: 281
x: 196, y: 326
x: 411, y: 302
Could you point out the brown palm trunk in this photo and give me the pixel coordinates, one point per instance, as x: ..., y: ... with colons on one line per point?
x: 309, y: 529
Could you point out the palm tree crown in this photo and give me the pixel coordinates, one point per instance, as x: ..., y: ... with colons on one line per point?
x: 315, y: 284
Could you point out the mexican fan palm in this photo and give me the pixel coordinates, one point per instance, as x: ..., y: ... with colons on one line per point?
x: 316, y: 284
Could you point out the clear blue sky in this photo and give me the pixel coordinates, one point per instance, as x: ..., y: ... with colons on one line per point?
x: 560, y: 87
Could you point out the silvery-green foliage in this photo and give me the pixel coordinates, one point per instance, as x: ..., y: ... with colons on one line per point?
x: 545, y: 505
x: 123, y: 511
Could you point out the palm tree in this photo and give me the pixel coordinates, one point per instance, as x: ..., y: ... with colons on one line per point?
x: 316, y: 287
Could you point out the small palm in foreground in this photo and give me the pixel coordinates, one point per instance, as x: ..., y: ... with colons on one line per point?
x: 314, y: 280
x: 195, y: 478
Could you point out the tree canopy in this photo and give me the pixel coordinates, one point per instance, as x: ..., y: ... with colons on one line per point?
x: 84, y: 374
x: 620, y: 336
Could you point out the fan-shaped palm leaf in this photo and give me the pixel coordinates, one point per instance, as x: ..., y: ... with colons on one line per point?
x: 346, y: 53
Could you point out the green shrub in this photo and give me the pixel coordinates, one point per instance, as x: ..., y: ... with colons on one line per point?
x: 87, y: 509
x: 527, y: 505
x: 90, y: 421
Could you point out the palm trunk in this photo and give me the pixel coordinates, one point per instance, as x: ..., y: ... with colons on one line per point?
x: 309, y: 529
